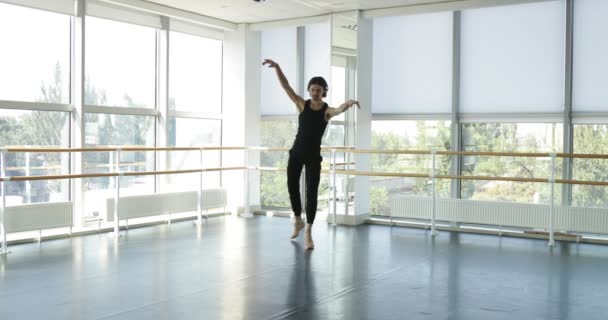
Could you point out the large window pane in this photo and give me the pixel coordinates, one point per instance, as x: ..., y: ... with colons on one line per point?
x: 510, y: 137
x: 35, y: 55
x: 412, y: 58
x: 407, y: 135
x: 512, y: 58
x: 117, y: 130
x: 184, y: 132
x: 120, y: 64
x: 590, y: 59
x: 590, y: 139
x: 35, y: 129
x: 273, y: 185
x: 195, y: 76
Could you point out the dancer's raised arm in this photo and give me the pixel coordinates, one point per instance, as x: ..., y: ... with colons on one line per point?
x: 299, y: 101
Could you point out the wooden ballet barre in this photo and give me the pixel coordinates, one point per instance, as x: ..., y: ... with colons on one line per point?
x: 51, y: 150
x: 495, y: 154
x: 223, y: 169
x: 370, y: 151
x: 123, y: 148
x: 524, y: 154
x: 267, y: 149
x: 486, y: 178
x: 482, y: 153
x: 59, y: 177
x: 269, y: 169
x: 222, y: 148
x: 582, y: 182
x: 341, y: 149
x: 382, y: 174
x: 114, y: 174
x: 582, y: 155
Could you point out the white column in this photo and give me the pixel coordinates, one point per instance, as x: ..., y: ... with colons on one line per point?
x: 3, y: 246
x: 241, y: 105
x: 77, y: 55
x: 162, y: 98
x: 363, y: 118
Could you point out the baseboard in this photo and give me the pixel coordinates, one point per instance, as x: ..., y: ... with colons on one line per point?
x: 529, y: 235
x: 109, y: 229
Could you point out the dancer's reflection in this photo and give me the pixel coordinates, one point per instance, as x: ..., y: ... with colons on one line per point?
x: 301, y: 292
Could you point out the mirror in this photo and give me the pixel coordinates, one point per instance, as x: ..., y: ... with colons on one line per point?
x: 342, y: 88
x: 344, y: 57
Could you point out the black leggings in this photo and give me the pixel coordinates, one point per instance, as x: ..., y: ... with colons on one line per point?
x: 313, y: 175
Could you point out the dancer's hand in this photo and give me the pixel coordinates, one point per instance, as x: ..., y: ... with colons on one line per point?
x: 351, y: 103
x: 270, y: 63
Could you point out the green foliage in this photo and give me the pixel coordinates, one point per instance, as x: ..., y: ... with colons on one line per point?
x: 590, y: 139
x: 428, y: 135
x: 378, y: 200
x: 273, y: 184
x: 505, y: 137
x: 273, y: 189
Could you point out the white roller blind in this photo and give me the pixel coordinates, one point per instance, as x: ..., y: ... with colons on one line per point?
x: 590, y: 65
x: 512, y: 58
x: 412, y: 64
x: 196, y: 30
x: 122, y: 14
x: 59, y: 6
x: 317, y: 54
x: 279, y: 45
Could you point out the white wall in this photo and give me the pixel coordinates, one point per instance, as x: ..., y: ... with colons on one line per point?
x: 364, y: 115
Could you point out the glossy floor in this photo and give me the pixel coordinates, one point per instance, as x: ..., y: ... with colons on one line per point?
x: 246, y: 268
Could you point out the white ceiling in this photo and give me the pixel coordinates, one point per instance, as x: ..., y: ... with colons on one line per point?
x: 249, y: 11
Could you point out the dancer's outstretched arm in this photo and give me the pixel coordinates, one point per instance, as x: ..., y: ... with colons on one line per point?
x: 332, y: 112
x: 299, y: 101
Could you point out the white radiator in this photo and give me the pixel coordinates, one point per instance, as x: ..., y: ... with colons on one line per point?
x: 38, y: 216
x: 163, y: 203
x: 502, y: 214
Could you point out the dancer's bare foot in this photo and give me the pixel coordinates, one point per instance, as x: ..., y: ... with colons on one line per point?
x: 308, y: 237
x: 298, y: 224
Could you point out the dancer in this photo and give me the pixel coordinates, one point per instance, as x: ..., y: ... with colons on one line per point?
x: 306, y: 150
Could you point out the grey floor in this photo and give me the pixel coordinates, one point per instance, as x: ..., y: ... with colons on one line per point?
x: 246, y: 268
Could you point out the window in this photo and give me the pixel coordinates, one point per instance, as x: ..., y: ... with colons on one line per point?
x: 35, y: 129
x: 117, y: 130
x: 412, y: 70
x: 120, y: 64
x: 510, y: 137
x: 186, y: 132
x: 35, y: 57
x: 280, y: 45
x: 590, y: 138
x: 195, y: 73
x: 407, y: 135
x: 273, y: 184
x: 512, y: 58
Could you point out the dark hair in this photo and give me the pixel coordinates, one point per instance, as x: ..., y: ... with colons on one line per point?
x: 318, y: 81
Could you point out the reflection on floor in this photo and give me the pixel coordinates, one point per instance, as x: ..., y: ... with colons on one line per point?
x: 246, y: 268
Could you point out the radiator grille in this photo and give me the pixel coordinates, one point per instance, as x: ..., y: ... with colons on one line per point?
x: 162, y: 203
x: 502, y: 214
x: 38, y: 216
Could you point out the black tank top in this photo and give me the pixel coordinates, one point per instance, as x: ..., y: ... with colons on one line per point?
x: 311, y: 126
